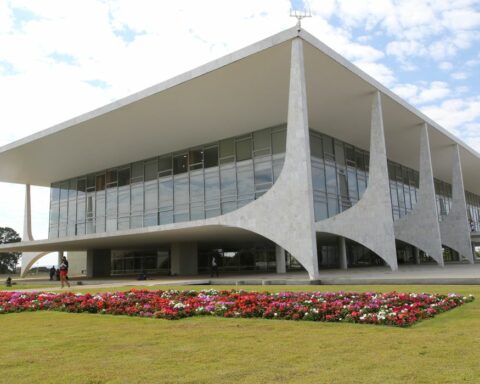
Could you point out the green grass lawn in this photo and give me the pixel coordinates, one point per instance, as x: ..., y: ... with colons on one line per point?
x: 19, y: 287
x: 57, y: 347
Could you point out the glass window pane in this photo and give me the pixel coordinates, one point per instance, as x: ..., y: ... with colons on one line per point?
x: 64, y: 188
x: 262, y: 139
x: 180, y: 164
x: 228, y: 182
x: 227, y: 148
x: 100, y: 183
x: 279, y: 141
x: 195, y: 156
x: 123, y: 201
x: 81, y: 185
x: 342, y: 182
x: 352, y: 183
x: 197, y: 211
x: 321, y: 211
x: 136, y: 221
x: 316, y: 146
x: 332, y: 206
x: 151, y: 170
x: 165, y: 163
x: 210, y: 157
x: 91, y: 182
x: 165, y: 193
x: 151, y: 196
x: 150, y: 219
x: 137, y: 171
x: 111, y: 176
x: 263, y: 171
x: 245, y: 181
x: 327, y: 145
x: 181, y: 198
x: 196, y: 186
x: 359, y: 160
x: 55, y: 192
x: 137, y: 197
x: 339, y: 154
x: 212, y: 185
x: 244, y: 150
x: 318, y: 175
x: 124, y: 177
x: 278, y: 161
x: 331, y: 178
x: 350, y: 155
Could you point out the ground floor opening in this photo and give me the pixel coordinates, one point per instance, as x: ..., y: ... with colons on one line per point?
x: 255, y: 255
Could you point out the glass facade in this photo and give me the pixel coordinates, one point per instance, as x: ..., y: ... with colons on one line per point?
x: 473, y: 211
x: 195, y: 183
x: 134, y: 262
x: 216, y: 178
x: 254, y: 259
x: 340, y: 177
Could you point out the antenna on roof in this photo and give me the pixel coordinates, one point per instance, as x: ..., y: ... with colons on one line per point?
x: 300, y: 14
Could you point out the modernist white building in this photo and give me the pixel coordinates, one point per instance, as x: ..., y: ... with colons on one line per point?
x: 277, y: 157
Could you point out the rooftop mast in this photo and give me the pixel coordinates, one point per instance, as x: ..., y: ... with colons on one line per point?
x: 300, y: 14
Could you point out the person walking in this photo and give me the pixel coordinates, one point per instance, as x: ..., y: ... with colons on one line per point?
x: 53, y: 271
x: 214, y: 266
x: 64, y: 272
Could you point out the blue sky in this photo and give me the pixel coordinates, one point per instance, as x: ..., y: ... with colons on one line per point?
x: 60, y: 59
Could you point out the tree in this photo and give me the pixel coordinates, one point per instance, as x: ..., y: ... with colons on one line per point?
x: 8, y: 260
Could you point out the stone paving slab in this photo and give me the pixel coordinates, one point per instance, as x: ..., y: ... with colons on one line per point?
x: 452, y: 274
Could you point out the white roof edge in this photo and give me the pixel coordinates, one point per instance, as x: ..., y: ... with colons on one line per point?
x: 230, y: 58
x: 309, y: 38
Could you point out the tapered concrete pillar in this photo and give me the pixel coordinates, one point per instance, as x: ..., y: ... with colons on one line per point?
x: 342, y: 252
x: 280, y: 259
x: 292, y: 194
x: 370, y: 222
x: 420, y: 227
x: 454, y: 229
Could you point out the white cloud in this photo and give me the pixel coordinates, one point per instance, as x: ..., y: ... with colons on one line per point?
x: 379, y: 72
x: 445, y: 66
x: 459, y: 75
x: 471, y: 135
x: 420, y: 27
x: 454, y: 114
x: 405, y: 49
x: 424, y: 93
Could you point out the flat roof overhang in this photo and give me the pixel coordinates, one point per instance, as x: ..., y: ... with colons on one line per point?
x: 239, y: 93
x: 142, y: 238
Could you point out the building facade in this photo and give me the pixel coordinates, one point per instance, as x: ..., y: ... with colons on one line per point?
x: 279, y: 157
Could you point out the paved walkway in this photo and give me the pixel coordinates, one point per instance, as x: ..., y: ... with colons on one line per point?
x: 412, y: 274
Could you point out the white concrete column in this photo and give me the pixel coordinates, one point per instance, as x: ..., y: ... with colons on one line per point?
x: 420, y: 227
x: 184, y: 259
x: 280, y: 259
x: 370, y: 222
x: 417, y: 255
x: 28, y: 258
x: 59, y: 258
x: 342, y: 252
x: 455, y: 229
x: 27, y: 216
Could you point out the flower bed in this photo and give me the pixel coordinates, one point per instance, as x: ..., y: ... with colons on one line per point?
x: 397, y: 309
